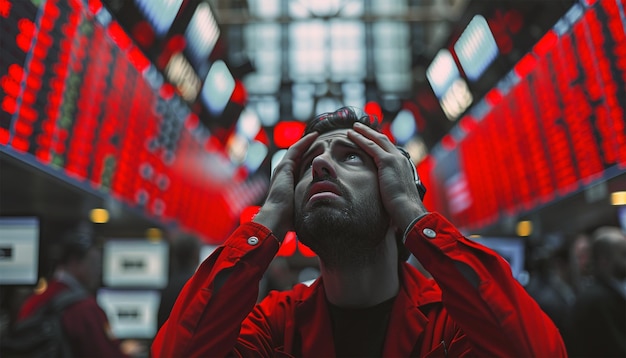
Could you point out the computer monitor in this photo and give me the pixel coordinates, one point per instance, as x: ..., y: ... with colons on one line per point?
x: 19, y: 250
x: 132, y: 314
x: 135, y: 263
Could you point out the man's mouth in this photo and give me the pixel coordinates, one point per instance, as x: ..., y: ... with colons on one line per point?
x: 323, y: 190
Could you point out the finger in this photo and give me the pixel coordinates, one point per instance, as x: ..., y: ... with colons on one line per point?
x: 297, y: 150
x: 382, y: 157
x: 375, y: 136
x: 294, y: 154
x: 372, y: 148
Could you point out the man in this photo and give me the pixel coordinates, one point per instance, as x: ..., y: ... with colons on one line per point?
x: 351, y: 196
x: 85, y: 324
x: 598, y: 318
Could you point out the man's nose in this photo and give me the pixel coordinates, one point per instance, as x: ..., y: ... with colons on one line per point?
x: 322, y: 166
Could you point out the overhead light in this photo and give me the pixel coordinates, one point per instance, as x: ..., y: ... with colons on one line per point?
x: 154, y: 234
x: 456, y: 99
x: 618, y: 198
x: 219, y: 85
x: 248, y: 123
x: 476, y: 48
x: 99, y: 216
x: 202, y: 33
x: 257, y: 152
x: 442, y: 72
x: 179, y: 71
x: 237, y: 147
x: 160, y: 13
x: 524, y: 228
x: 403, y: 126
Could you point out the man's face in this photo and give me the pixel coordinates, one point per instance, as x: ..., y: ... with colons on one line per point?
x: 338, y: 210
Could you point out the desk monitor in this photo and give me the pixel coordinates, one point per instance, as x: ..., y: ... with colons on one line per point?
x: 19, y: 250
x: 132, y: 313
x: 133, y: 263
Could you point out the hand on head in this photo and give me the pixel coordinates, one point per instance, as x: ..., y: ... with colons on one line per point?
x: 395, y: 175
x: 397, y: 187
x: 277, y: 211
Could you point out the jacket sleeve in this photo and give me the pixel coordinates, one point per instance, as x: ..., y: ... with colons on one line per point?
x: 479, y: 292
x: 207, y: 316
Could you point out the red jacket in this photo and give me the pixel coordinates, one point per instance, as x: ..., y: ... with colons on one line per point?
x: 481, y: 312
x: 85, y: 323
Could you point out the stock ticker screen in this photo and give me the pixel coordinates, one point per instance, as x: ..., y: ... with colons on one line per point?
x: 79, y: 97
x: 558, y: 127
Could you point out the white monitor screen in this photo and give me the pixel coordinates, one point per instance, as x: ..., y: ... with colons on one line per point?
x: 131, y: 314
x: 160, y: 13
x: 219, y: 85
x: 135, y: 263
x: 202, y: 33
x: 19, y: 250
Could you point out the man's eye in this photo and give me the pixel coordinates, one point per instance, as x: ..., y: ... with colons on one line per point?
x: 353, y: 157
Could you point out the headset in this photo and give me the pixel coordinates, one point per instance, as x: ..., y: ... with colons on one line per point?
x: 418, y: 182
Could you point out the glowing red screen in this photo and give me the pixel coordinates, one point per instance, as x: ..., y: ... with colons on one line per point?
x: 560, y: 128
x: 80, y: 97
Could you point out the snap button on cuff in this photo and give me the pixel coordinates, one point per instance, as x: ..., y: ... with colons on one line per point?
x: 429, y: 233
x: 253, y: 240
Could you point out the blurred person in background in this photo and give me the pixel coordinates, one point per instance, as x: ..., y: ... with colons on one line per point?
x: 581, y: 272
x: 547, y: 284
x: 598, y: 318
x: 353, y: 197
x: 185, y: 257
x: 85, y: 324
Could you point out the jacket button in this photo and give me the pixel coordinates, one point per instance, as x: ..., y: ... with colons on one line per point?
x: 253, y: 240
x: 430, y: 233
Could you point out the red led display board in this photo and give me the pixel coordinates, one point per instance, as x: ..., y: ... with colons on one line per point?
x: 558, y: 128
x: 80, y: 97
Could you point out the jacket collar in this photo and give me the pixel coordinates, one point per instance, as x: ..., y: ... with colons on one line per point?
x: 407, y: 321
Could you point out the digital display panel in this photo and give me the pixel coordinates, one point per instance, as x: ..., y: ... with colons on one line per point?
x: 442, y: 72
x: 132, y: 314
x: 80, y: 97
x: 218, y: 87
x: 135, y: 263
x: 160, y: 13
x: 476, y: 48
x: 19, y: 250
x: 559, y: 127
x: 18, y: 28
x: 201, y: 34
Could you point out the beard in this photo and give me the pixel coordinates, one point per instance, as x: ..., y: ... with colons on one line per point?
x: 347, y: 236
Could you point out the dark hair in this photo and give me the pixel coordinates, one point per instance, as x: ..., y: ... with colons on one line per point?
x: 74, y: 245
x: 344, y: 118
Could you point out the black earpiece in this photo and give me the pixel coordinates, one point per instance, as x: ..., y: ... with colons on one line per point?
x: 420, y: 186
